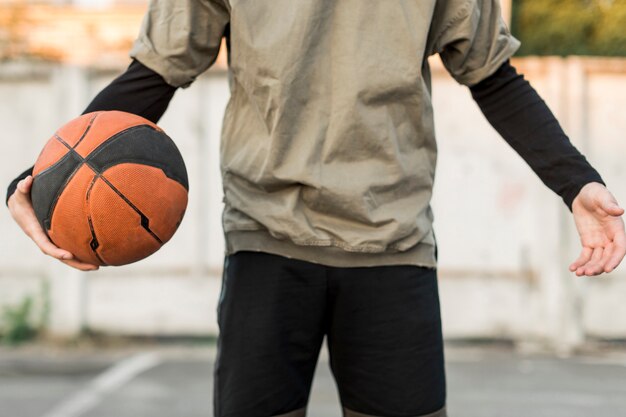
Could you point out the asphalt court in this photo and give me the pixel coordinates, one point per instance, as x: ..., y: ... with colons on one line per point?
x: 177, y: 381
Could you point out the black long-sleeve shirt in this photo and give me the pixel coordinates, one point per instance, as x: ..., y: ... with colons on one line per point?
x: 517, y: 112
x: 508, y: 101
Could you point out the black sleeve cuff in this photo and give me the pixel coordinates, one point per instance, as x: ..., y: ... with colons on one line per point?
x: 572, y: 191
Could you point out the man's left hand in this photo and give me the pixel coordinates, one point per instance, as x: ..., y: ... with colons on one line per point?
x: 599, y: 223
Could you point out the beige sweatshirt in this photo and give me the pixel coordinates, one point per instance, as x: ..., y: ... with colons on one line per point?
x: 328, y: 148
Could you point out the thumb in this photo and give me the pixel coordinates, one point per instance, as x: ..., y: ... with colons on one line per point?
x: 25, y: 185
x: 612, y: 208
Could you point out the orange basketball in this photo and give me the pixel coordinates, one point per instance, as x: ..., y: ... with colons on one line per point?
x: 110, y: 187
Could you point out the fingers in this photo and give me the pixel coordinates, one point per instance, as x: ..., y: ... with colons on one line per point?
x: 47, y: 247
x: 64, y: 256
x: 606, y: 255
x: 80, y: 265
x: 583, y: 258
x: 24, y: 185
x: 24, y: 215
x: 36, y: 233
x: 592, y: 267
x: 595, y: 261
x: 21, y: 195
x: 618, y: 252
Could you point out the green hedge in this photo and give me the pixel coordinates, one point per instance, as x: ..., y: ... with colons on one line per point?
x: 570, y: 27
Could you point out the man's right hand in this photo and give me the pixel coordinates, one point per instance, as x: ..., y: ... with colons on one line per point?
x: 22, y: 211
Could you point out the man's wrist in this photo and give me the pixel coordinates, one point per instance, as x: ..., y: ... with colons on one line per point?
x: 583, y: 188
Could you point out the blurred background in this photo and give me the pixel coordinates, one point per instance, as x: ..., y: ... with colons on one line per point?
x: 505, y: 288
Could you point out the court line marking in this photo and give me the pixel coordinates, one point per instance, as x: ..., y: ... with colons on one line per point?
x: 107, y: 382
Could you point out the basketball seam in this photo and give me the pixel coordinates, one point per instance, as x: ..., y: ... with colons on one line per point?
x: 69, y: 154
x: 144, y: 224
x: 100, y: 147
x: 153, y: 164
x: 121, y: 132
x: 113, y: 138
x: 59, y: 160
x: 94, y: 238
x: 59, y: 192
x: 67, y: 145
x: 142, y: 217
x: 99, y: 174
x: 93, y: 119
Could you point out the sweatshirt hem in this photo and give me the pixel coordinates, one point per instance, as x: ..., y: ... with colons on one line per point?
x: 422, y: 254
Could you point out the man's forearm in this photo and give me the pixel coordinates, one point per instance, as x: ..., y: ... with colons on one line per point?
x: 138, y: 90
x: 517, y: 112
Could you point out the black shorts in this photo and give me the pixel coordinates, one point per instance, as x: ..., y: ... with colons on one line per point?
x: 383, y: 329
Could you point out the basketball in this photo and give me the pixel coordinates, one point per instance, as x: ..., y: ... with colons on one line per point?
x: 110, y: 187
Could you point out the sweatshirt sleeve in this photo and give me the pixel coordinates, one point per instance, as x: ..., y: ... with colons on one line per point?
x: 471, y: 38
x: 138, y: 90
x: 181, y: 39
x: 517, y: 112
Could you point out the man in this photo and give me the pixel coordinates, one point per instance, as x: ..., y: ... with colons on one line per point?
x: 328, y: 160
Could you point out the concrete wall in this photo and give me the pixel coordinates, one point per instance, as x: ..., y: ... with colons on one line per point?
x: 503, y: 275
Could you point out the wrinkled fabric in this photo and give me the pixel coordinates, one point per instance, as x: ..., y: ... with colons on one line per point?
x: 328, y: 138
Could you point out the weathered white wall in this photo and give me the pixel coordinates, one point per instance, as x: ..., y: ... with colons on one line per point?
x: 506, y: 272
x: 502, y: 275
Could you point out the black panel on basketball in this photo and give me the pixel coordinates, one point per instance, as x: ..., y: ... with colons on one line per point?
x: 141, y: 145
x: 49, y: 185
